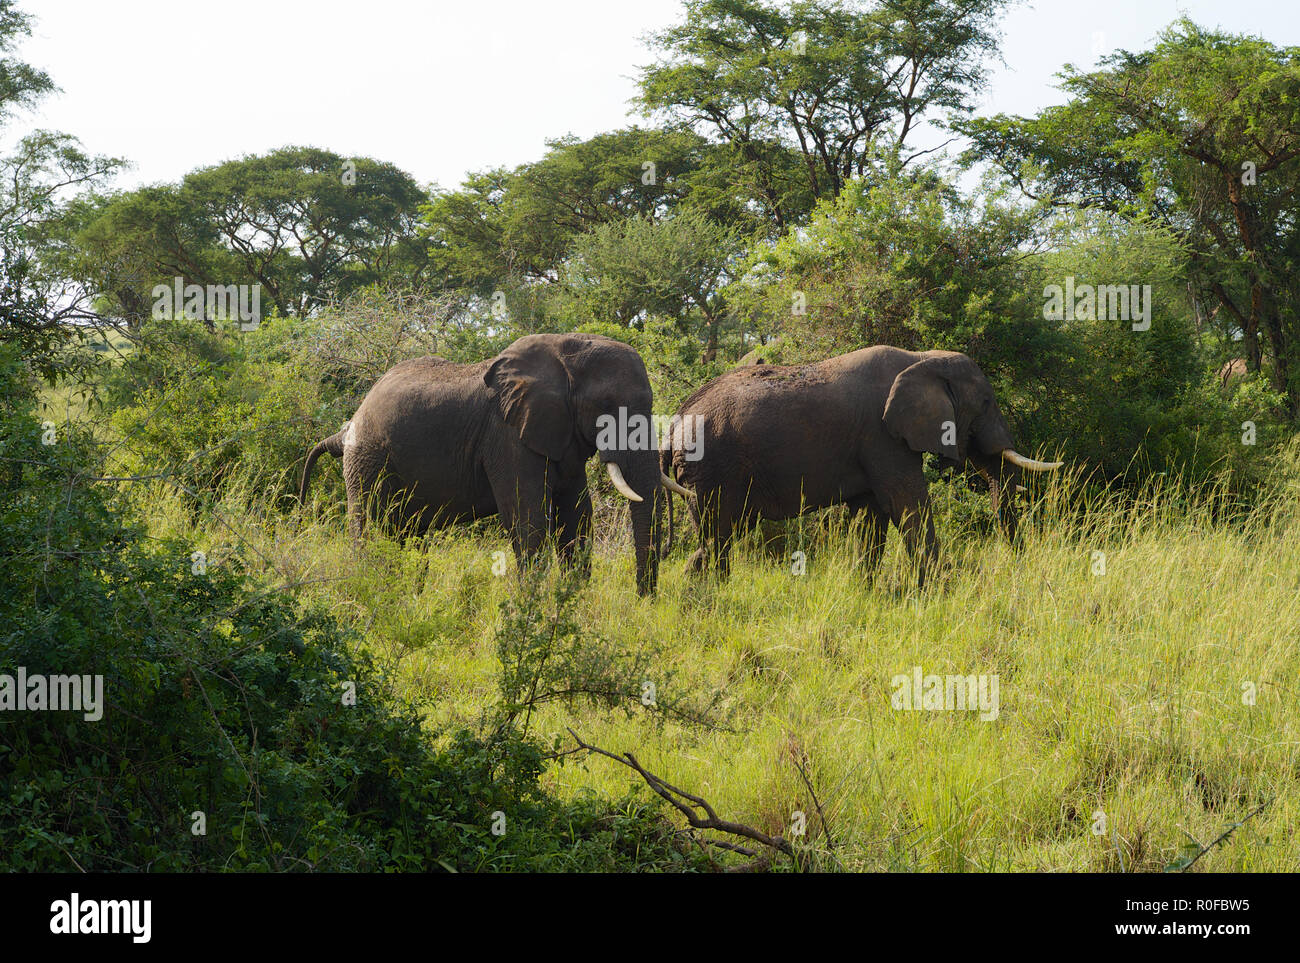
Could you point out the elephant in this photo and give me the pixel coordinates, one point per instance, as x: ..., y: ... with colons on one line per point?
x: 779, y: 440
x: 435, y: 443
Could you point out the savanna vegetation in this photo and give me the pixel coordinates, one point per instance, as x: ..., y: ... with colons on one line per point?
x: 315, y: 704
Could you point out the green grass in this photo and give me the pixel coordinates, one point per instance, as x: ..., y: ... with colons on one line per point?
x: 1120, y: 693
x: 69, y: 402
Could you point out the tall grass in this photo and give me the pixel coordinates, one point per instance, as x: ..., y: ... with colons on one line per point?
x: 1126, y: 724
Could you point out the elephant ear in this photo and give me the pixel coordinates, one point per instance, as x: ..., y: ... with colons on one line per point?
x: 531, y: 388
x: 921, y: 412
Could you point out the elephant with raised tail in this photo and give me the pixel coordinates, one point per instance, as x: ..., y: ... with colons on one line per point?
x: 779, y: 440
x: 435, y: 443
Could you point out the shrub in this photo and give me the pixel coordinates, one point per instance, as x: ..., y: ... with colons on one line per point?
x: 230, y: 707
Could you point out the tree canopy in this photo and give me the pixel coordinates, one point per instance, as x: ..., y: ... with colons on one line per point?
x: 38, y: 298
x: 820, y: 82
x: 1202, y: 132
x: 523, y: 223
x: 306, y: 224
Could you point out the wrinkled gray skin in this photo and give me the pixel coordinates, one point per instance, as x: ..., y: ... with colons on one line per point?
x: 780, y: 440
x: 435, y: 443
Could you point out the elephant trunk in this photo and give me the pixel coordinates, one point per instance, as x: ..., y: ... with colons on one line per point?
x: 1003, y: 482
x: 1002, y: 492
x: 640, y: 470
x: 1001, y: 465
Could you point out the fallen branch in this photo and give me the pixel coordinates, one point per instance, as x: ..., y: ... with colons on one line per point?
x: 1183, y: 866
x: 691, y: 806
x: 826, y: 829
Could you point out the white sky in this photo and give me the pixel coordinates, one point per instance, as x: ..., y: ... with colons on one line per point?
x: 441, y: 88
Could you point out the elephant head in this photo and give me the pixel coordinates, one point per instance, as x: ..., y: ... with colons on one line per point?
x: 560, y: 392
x: 945, y: 405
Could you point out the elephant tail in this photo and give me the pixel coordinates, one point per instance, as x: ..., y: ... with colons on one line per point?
x: 666, y: 466
x: 334, y: 445
x: 669, y: 550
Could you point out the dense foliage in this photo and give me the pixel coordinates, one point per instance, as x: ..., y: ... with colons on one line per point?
x: 1202, y: 135
x: 231, y: 709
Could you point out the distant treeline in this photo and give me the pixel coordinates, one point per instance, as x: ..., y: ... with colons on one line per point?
x: 775, y: 195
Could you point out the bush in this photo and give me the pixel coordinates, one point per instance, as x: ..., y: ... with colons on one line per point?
x: 229, y: 706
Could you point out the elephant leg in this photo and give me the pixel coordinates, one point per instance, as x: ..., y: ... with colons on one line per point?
x: 721, y: 535
x: 775, y: 536
x: 524, y: 504
x: 912, y: 516
x: 875, y: 528
x: 356, y: 498
x: 572, y: 514
x: 356, y: 516
x: 699, y: 561
x: 714, y: 521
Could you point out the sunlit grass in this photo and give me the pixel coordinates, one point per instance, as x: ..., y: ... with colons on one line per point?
x: 1123, y: 695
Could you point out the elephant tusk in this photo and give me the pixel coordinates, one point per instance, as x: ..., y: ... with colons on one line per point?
x: 1028, y: 464
x: 673, y: 486
x: 624, y: 489
x: 1021, y: 488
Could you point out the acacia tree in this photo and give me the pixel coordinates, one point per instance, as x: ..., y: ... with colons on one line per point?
x: 519, y: 226
x: 307, y: 224
x: 38, y: 304
x: 1202, y: 133
x: 825, y: 82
